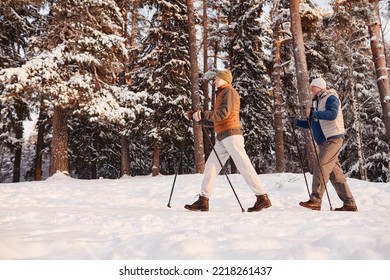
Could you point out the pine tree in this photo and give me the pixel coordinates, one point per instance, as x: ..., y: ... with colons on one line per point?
x: 76, y: 67
x: 339, y: 51
x: 381, y: 70
x: 346, y: 47
x: 302, y: 75
x: 216, y: 41
x: 251, y: 81
x: 163, y: 74
x: 94, y: 151
x: 195, y: 96
x: 278, y: 40
x: 19, y: 21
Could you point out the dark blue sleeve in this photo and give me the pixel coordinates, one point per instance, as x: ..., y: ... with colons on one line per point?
x: 331, y: 109
x: 302, y: 123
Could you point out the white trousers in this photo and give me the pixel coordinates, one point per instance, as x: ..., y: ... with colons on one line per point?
x: 230, y: 146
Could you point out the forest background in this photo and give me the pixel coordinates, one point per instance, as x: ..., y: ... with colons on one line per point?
x: 108, y: 83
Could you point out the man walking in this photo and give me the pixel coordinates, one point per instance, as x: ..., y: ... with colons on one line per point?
x: 325, y: 118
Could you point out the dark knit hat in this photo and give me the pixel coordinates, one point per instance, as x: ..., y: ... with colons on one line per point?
x: 225, y: 75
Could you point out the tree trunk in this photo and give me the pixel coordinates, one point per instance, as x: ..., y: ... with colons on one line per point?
x: 198, y: 135
x: 18, y: 151
x: 233, y: 166
x: 216, y: 48
x: 278, y: 118
x: 59, y: 142
x: 156, y: 160
x: 2, y: 151
x: 125, y: 156
x: 206, y: 93
x: 231, y: 163
x: 377, y: 49
x: 93, y: 170
x: 301, y: 73
x: 40, y: 143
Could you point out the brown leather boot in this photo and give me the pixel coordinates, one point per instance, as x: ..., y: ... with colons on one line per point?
x: 351, y: 208
x: 261, y: 203
x: 311, y: 205
x: 202, y: 204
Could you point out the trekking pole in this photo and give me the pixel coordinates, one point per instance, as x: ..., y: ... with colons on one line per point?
x: 300, y: 157
x: 179, y: 167
x: 220, y: 162
x: 319, y: 164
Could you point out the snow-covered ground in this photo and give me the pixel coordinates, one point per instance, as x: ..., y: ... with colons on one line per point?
x: 128, y: 219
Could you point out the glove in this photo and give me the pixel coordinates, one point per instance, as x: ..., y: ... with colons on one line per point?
x: 309, y: 112
x: 197, y: 116
x: 291, y: 119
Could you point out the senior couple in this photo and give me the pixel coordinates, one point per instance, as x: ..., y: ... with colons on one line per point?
x: 325, y: 120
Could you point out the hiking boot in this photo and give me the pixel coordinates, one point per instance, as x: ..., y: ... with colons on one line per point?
x: 202, y: 204
x: 311, y: 205
x: 351, y: 208
x: 261, y: 203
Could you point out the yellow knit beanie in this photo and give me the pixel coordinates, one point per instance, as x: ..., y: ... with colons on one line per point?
x: 225, y: 75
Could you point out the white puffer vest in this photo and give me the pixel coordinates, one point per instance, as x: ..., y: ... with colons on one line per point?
x: 335, y: 127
